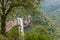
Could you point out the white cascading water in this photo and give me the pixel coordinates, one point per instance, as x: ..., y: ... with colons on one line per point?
x: 21, y: 28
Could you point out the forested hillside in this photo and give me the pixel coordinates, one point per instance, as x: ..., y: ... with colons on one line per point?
x: 38, y: 25
x: 52, y: 10
x: 55, y: 17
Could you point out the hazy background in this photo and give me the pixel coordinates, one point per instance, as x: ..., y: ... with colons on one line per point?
x: 50, y: 5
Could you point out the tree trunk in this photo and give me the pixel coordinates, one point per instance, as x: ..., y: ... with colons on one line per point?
x: 3, y: 20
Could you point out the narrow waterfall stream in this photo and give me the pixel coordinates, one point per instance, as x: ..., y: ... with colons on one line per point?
x: 21, y: 28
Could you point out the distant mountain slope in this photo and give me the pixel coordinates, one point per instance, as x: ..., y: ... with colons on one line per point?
x: 55, y: 16
x: 50, y: 5
x: 52, y: 9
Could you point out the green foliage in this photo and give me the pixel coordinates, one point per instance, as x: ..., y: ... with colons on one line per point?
x: 7, y: 6
x: 43, y: 28
x: 22, y: 7
x: 3, y: 37
x: 40, y: 18
x: 39, y: 32
x: 13, y: 34
x: 55, y: 17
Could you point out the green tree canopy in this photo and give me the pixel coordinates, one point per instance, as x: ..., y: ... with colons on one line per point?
x: 6, y: 7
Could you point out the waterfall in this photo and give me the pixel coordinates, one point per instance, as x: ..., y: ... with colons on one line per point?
x: 21, y: 28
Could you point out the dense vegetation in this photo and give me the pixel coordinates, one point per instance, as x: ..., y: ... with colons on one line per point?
x: 55, y: 17
x: 41, y: 28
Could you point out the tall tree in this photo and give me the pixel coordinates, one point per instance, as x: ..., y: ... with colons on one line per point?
x: 7, y: 5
